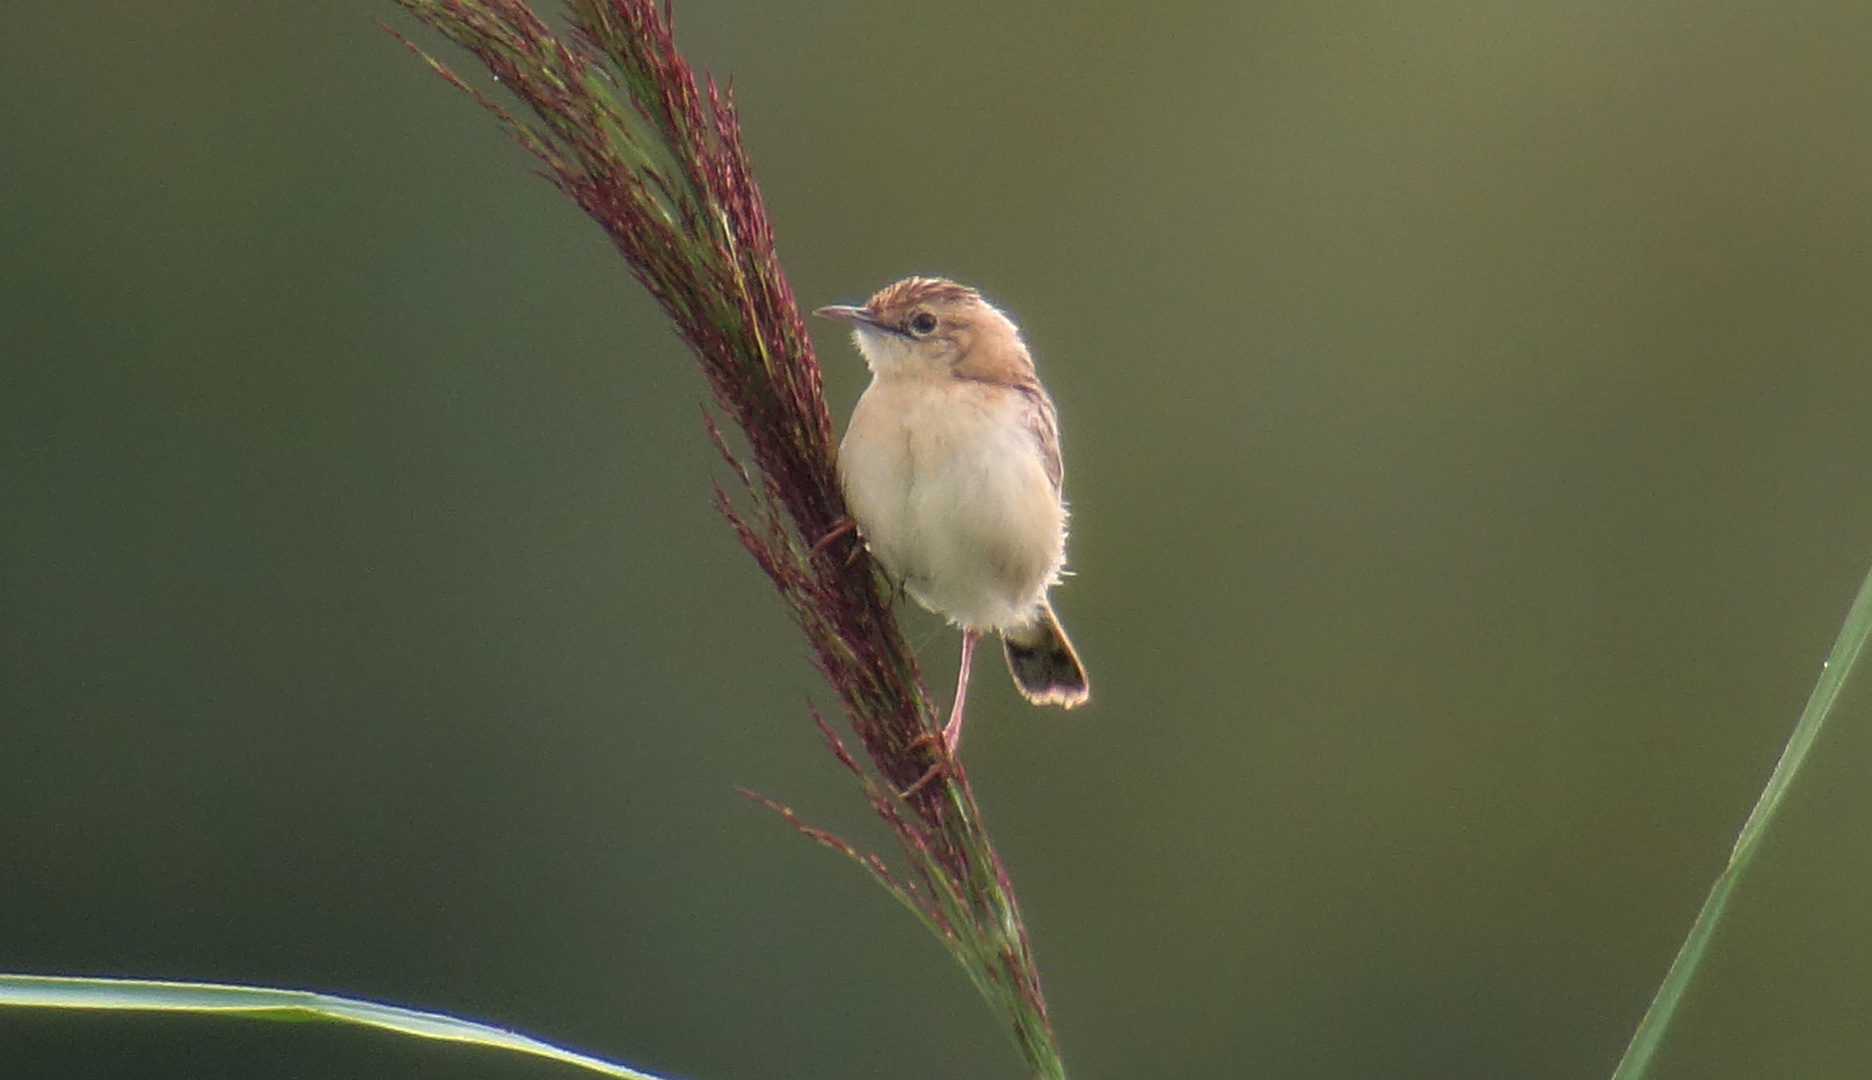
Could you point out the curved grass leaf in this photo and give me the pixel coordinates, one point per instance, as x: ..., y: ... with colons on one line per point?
x: 267, y: 1003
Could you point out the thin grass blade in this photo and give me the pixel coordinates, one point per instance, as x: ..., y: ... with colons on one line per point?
x: 268, y: 1003
x: 1846, y: 649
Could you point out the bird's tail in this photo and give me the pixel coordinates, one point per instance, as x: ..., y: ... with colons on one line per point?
x: 1043, y: 663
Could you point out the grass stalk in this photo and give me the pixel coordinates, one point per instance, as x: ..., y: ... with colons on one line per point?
x: 653, y: 155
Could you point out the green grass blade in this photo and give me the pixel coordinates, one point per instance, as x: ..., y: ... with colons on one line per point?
x: 1846, y: 650
x: 267, y: 1003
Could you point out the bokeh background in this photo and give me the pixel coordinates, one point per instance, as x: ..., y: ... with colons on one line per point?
x: 1468, y: 414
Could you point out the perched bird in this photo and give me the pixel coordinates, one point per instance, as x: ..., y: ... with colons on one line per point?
x: 951, y: 469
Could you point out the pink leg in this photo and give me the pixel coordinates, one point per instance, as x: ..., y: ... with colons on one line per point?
x: 952, y: 733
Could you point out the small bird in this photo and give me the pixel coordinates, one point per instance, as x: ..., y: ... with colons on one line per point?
x: 951, y: 469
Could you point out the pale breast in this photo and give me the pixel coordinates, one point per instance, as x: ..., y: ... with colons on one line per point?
x: 952, y: 493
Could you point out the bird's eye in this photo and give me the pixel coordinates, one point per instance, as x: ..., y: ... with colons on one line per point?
x: 922, y: 323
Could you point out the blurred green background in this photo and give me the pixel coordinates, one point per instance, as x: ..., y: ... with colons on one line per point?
x: 1467, y: 412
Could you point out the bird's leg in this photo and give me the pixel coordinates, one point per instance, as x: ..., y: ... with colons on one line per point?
x: 951, y: 735
x: 952, y: 732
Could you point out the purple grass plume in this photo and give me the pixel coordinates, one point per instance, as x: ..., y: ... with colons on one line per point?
x: 654, y: 156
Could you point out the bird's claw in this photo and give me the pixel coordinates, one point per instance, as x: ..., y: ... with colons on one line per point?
x: 844, y: 526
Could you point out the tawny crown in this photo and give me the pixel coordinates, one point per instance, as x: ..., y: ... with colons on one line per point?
x: 895, y: 299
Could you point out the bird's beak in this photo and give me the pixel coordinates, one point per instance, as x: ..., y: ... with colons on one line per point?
x: 843, y: 313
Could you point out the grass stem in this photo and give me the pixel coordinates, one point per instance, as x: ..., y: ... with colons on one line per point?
x: 1839, y: 664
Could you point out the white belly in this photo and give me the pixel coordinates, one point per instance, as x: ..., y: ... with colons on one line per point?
x: 950, y: 492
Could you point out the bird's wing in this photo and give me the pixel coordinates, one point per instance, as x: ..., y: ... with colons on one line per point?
x: 1043, y: 422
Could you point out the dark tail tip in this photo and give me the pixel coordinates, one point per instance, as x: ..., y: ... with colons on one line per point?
x: 1044, y: 665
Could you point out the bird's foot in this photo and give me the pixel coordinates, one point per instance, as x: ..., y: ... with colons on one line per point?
x: 937, y: 769
x: 944, y: 752
x: 844, y: 526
